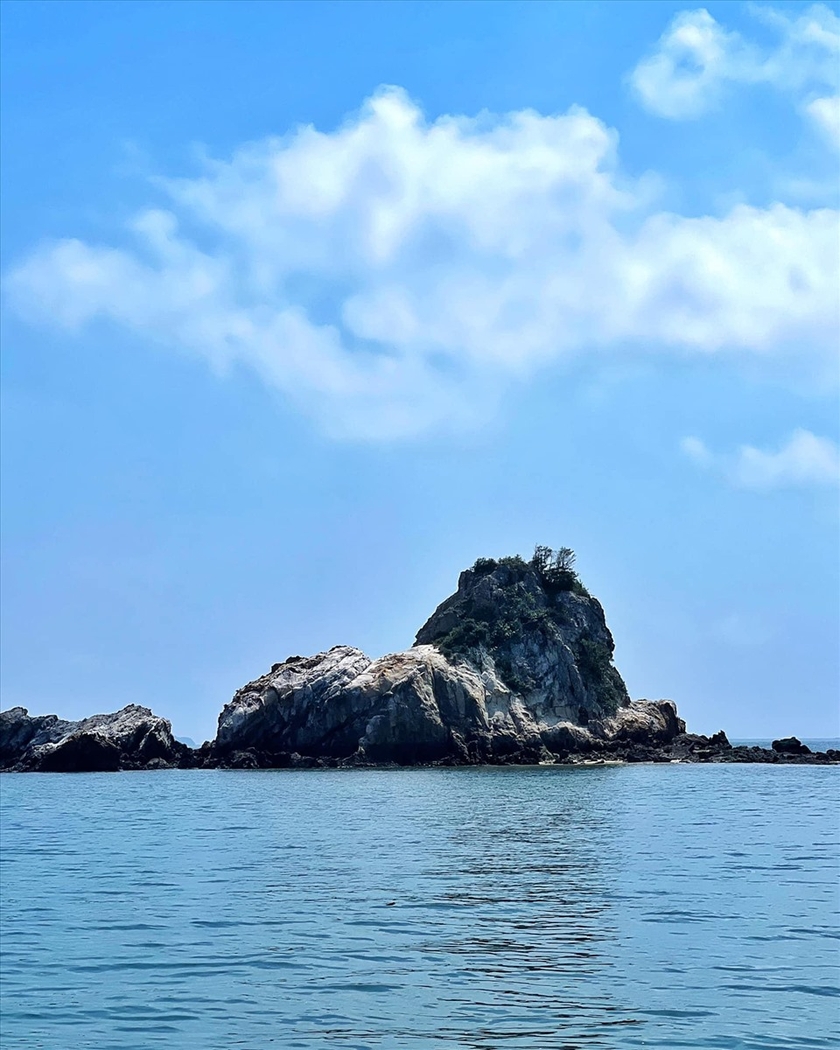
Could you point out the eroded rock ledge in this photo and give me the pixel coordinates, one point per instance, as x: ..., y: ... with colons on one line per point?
x: 515, y: 667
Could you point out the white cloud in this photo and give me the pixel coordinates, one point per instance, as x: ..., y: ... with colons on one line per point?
x: 696, y: 449
x: 825, y: 113
x: 696, y: 60
x: 394, y: 275
x: 803, y: 460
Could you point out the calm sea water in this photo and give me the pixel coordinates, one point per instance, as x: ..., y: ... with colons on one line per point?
x: 611, y: 907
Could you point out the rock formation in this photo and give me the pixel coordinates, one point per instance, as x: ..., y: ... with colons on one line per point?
x: 132, y: 738
x: 790, y: 745
x: 545, y: 640
x: 508, y: 669
x: 515, y: 667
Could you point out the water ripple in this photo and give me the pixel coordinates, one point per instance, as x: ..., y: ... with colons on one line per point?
x: 674, y: 907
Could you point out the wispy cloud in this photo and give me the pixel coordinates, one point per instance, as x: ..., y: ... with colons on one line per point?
x: 394, y: 275
x: 696, y: 61
x: 803, y: 460
x: 825, y: 113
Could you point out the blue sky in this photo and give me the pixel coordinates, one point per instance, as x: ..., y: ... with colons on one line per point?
x: 307, y: 306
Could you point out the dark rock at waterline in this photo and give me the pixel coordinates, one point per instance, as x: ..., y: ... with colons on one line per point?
x: 132, y: 738
x: 86, y: 752
x: 789, y: 745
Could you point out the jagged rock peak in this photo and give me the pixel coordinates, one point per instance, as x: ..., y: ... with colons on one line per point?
x: 539, y: 628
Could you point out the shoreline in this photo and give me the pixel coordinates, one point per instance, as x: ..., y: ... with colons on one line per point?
x: 305, y: 763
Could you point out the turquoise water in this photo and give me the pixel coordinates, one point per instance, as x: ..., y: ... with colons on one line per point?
x: 665, y: 906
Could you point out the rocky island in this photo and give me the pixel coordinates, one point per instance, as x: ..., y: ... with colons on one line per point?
x: 515, y: 667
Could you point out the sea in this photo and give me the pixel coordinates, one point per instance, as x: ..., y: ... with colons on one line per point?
x: 549, y: 908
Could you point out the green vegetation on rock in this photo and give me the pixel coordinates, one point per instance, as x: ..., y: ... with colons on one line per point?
x: 595, y: 662
x: 524, y: 607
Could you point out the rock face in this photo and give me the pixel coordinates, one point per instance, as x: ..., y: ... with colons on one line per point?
x: 552, y: 647
x: 132, y: 738
x: 789, y: 745
x: 507, y: 669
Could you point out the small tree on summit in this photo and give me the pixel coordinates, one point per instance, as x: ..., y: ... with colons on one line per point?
x: 556, y: 568
x: 564, y: 560
x: 542, y: 558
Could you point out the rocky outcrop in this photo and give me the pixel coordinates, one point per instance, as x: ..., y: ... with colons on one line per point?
x: 508, y: 669
x: 790, y: 745
x: 410, y: 708
x: 133, y: 738
x: 515, y: 667
x: 551, y: 646
x: 20, y: 732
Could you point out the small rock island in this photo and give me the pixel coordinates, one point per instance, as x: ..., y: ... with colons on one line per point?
x: 516, y: 667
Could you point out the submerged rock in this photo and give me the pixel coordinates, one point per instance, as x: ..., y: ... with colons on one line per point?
x: 133, y: 738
